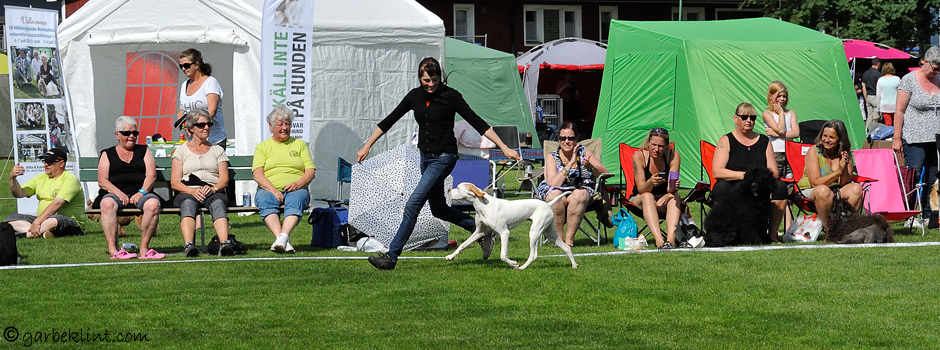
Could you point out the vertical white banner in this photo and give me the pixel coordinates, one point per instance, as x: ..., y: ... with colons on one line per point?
x: 286, y: 36
x: 42, y: 118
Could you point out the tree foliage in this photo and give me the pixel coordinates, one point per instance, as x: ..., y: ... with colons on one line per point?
x: 897, y: 23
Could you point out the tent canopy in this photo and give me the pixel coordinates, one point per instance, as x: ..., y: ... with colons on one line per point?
x: 690, y: 76
x: 868, y: 49
x: 488, y: 80
x: 364, y: 61
x: 573, y: 54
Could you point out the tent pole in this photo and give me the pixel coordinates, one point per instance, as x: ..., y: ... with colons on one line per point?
x: 680, y: 10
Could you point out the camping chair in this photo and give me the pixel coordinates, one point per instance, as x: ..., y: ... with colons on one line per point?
x: 702, y: 190
x: 343, y: 175
x: 887, y: 196
x: 796, y: 158
x: 596, y: 203
x: 629, y: 183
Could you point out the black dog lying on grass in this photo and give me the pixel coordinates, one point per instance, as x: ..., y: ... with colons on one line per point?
x: 848, y: 226
x: 742, y: 217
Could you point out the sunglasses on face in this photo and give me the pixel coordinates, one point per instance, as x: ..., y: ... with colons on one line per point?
x: 566, y: 138
x: 662, y: 131
x: 746, y: 117
x: 203, y: 125
x: 185, y: 66
x: 933, y: 68
x: 129, y: 133
x: 51, y: 161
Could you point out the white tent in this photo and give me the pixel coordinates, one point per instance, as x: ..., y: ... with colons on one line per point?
x: 572, y: 54
x: 364, y: 62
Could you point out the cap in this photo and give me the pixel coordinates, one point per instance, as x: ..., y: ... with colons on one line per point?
x: 54, y: 154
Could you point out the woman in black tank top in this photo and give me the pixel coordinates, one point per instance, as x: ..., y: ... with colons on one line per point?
x: 652, y: 193
x: 741, y: 150
x: 126, y: 173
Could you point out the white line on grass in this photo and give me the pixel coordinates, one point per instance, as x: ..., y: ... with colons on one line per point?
x: 616, y: 252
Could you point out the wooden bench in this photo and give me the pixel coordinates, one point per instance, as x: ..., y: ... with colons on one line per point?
x: 239, y: 169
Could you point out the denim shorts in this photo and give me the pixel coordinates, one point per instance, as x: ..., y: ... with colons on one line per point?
x: 294, y: 202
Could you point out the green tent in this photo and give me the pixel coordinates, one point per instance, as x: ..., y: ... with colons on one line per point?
x: 689, y: 76
x: 489, y: 80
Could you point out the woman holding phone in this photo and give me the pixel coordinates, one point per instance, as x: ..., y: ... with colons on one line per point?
x: 653, y: 164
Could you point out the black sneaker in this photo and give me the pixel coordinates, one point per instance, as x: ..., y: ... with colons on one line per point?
x: 190, y: 250
x: 382, y: 262
x: 486, y: 244
x: 226, y: 249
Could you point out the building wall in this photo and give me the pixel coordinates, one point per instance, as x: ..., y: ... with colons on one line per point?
x: 503, y: 21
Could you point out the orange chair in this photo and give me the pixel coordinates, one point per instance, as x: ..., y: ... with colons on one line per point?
x: 796, y: 158
x: 707, y: 152
x: 629, y: 183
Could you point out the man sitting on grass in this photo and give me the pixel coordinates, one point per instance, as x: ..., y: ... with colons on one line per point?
x: 61, y: 200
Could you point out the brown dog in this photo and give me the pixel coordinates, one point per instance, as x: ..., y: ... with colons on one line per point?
x: 122, y: 221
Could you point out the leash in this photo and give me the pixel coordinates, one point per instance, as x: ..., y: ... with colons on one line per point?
x: 504, y: 174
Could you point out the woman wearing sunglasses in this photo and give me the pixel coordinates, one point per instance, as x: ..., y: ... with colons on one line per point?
x: 200, y: 174
x: 741, y: 150
x: 652, y: 193
x: 570, y: 168
x: 201, y: 91
x: 126, y: 173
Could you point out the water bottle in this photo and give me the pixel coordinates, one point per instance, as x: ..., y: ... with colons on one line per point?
x: 246, y: 199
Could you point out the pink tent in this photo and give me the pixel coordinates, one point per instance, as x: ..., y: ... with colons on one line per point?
x: 868, y: 49
x: 574, y: 54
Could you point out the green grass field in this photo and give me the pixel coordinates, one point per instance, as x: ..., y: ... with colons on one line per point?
x: 850, y: 298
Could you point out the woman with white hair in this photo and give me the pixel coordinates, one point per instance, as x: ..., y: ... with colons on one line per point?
x: 917, y: 121
x: 126, y: 173
x: 46, y: 80
x: 200, y: 174
x: 283, y: 168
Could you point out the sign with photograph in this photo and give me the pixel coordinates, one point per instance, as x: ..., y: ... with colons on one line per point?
x: 287, y: 29
x: 40, y: 113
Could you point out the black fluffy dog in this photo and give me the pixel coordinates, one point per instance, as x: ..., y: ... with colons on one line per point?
x: 848, y: 226
x: 742, y: 216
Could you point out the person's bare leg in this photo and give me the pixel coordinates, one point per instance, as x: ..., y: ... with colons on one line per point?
x: 290, y: 222
x: 577, y: 201
x: 109, y: 224
x: 273, y: 222
x: 651, y: 216
x: 777, y: 207
x: 822, y: 198
x: 188, y: 226
x: 148, y: 223
x: 672, y: 217
x: 221, y: 228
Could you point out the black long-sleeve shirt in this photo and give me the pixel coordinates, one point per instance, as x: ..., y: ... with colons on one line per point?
x: 435, y: 113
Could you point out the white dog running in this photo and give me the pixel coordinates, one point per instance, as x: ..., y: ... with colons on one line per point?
x: 501, y: 215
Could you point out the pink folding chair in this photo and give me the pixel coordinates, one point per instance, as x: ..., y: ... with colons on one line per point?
x: 887, y: 196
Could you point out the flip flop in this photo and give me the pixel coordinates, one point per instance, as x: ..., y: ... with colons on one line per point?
x: 152, y: 254
x: 123, y: 255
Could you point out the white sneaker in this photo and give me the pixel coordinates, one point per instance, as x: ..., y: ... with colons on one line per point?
x: 289, y: 249
x: 279, y: 243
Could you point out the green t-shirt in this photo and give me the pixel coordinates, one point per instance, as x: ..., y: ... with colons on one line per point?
x: 283, y: 162
x: 65, y: 186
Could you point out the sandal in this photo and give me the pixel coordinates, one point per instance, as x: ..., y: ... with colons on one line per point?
x: 152, y: 254
x: 666, y: 245
x: 123, y: 255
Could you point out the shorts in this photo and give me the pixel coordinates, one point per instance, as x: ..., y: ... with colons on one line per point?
x: 217, y: 203
x: 805, y: 193
x: 140, y: 202
x: 65, y: 226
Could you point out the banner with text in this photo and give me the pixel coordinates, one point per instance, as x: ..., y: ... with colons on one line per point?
x: 287, y: 32
x: 42, y: 118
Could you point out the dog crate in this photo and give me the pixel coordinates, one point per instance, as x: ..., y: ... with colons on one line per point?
x: 551, y: 109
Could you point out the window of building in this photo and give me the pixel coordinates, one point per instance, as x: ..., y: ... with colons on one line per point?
x: 463, y: 22
x: 545, y: 23
x: 607, y: 14
x: 689, y: 13
x: 151, y: 91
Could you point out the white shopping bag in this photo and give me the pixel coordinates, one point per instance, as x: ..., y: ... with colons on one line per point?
x: 805, y: 228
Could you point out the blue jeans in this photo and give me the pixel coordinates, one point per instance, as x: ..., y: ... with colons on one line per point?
x: 434, y: 170
x: 294, y: 202
x: 920, y: 156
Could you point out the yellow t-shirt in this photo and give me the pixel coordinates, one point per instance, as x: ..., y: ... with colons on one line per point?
x: 283, y: 162
x: 65, y: 186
